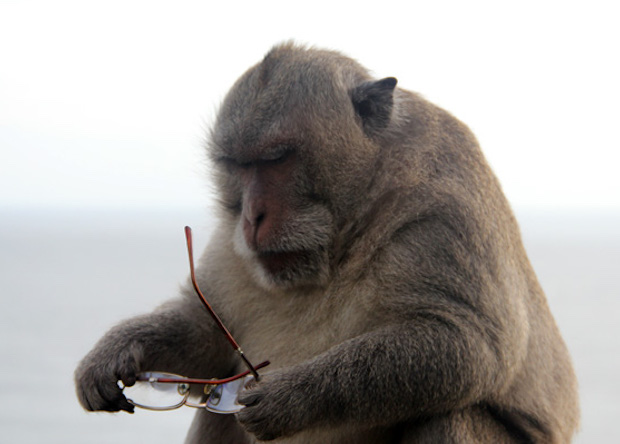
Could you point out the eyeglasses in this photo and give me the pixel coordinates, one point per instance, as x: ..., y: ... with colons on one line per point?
x: 167, y: 391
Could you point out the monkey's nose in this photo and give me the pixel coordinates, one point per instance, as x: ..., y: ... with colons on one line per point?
x: 251, y: 226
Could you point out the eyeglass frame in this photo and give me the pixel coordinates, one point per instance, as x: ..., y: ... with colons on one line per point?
x: 209, y: 384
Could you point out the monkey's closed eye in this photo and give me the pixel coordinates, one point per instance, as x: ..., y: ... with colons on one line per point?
x: 232, y: 164
x: 276, y: 156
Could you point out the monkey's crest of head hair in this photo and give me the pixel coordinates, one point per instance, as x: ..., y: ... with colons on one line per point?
x: 323, y: 102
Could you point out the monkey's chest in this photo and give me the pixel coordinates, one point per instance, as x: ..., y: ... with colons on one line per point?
x: 289, y: 333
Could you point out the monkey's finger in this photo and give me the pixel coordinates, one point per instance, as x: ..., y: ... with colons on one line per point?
x: 255, y: 424
x: 249, y: 398
x: 127, y: 406
x: 128, y: 378
x: 109, y: 397
x: 117, y: 404
x: 119, y: 400
x: 126, y: 369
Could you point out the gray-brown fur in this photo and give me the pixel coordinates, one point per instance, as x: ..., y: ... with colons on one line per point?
x: 412, y: 315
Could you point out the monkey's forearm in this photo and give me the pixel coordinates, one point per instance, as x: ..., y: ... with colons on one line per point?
x: 166, y: 340
x: 424, y: 367
x: 400, y: 372
x: 172, y: 340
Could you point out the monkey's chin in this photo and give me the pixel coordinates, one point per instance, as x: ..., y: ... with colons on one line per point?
x: 291, y: 269
x: 284, y: 270
x: 277, y: 263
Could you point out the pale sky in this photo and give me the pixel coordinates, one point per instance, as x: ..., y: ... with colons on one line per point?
x: 106, y: 103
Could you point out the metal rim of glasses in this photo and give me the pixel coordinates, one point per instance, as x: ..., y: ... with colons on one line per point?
x: 184, y: 382
x: 183, y: 389
x: 213, y: 389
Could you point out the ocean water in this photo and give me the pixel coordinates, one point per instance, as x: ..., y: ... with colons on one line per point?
x: 67, y: 275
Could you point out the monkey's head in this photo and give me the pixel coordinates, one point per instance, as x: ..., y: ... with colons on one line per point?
x: 292, y: 147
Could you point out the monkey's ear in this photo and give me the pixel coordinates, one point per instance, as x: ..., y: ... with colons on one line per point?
x: 373, y: 103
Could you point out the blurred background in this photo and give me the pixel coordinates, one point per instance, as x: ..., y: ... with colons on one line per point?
x: 104, y: 108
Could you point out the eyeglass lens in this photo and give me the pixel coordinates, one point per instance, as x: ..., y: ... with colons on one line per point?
x: 157, y: 395
x: 223, y: 398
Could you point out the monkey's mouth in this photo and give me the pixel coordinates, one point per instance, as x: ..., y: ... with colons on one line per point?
x: 277, y: 262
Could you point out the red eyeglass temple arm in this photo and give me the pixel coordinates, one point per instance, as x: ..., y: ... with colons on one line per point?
x: 216, y: 318
x: 202, y: 381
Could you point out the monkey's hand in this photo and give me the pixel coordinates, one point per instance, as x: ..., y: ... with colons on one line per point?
x: 273, y: 408
x: 97, y: 375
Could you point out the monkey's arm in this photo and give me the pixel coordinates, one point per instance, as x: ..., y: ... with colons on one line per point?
x: 449, y: 338
x: 178, y: 338
x: 427, y: 366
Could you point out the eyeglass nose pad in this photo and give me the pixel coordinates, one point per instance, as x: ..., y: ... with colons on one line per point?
x: 183, y: 388
x: 216, y: 395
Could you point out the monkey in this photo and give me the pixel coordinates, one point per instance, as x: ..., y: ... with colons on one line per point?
x: 364, y: 247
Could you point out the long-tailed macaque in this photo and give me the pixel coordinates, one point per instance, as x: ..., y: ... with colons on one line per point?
x: 366, y: 249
